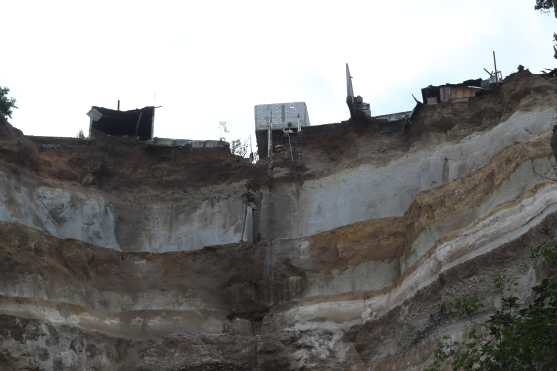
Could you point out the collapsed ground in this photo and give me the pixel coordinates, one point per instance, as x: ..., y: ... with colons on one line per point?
x: 362, y: 295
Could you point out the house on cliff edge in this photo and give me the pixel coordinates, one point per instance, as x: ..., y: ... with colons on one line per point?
x: 137, y: 123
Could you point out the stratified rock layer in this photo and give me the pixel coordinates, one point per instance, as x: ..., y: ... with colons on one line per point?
x: 121, y: 256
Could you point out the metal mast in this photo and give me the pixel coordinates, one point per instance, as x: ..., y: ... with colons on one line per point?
x: 349, y: 88
x: 495, y: 66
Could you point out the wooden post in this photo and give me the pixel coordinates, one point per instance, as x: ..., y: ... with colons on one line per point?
x: 269, y: 141
x: 270, y: 147
x: 137, y: 124
x: 118, y: 104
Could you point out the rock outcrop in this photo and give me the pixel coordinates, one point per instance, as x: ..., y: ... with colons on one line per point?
x: 120, y: 256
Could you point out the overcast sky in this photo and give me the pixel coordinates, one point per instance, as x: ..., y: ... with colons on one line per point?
x: 211, y: 61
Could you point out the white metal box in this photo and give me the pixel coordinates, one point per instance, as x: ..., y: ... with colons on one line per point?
x: 281, y: 115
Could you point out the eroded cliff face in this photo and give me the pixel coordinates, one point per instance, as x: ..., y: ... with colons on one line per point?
x: 121, y: 256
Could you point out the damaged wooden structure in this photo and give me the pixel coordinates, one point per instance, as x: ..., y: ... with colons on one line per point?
x: 452, y: 92
x: 137, y: 123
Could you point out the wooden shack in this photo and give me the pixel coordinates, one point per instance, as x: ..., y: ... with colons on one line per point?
x: 137, y: 123
x: 451, y: 92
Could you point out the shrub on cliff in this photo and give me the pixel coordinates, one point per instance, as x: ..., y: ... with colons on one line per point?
x: 518, y: 336
x: 544, y: 4
x: 6, y: 104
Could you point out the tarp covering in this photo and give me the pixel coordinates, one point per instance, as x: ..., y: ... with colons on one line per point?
x: 134, y: 123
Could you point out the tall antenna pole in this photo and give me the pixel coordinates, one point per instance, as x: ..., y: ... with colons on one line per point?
x: 349, y: 88
x: 495, y: 64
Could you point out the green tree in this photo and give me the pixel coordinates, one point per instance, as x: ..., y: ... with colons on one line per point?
x: 515, y: 337
x: 6, y: 104
x: 544, y: 4
x: 519, y: 336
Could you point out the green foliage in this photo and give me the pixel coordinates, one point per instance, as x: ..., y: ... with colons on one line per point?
x: 515, y: 337
x: 543, y: 4
x: 555, y: 43
x: 500, y: 282
x: 460, y: 307
x: 547, y: 251
x: 444, y: 351
x: 238, y: 148
x: 243, y: 149
x: 6, y: 104
x: 518, y: 336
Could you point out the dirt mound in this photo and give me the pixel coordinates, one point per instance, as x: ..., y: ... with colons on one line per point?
x: 16, y: 148
x: 7, y: 131
x: 329, y: 148
x: 130, y: 164
x: 112, y: 163
x: 521, y: 91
